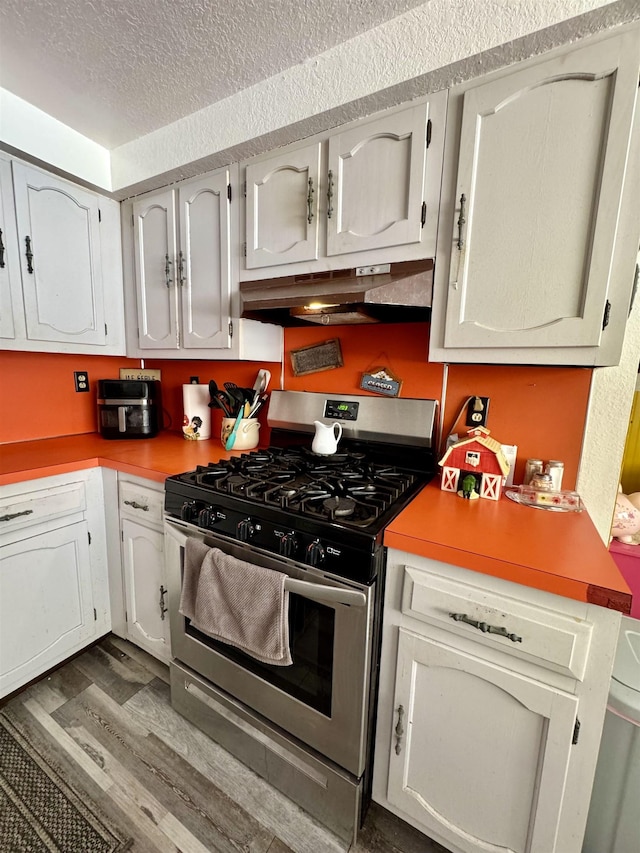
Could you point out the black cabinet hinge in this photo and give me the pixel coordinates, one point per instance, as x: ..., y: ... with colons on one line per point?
x: 244, y: 189
x: 99, y: 215
x: 576, y: 732
x: 106, y: 331
x: 95, y: 615
x: 423, y: 215
x: 230, y: 328
x: 89, y: 535
x: 244, y: 250
x: 229, y: 191
x: 607, y: 311
x: 428, y: 132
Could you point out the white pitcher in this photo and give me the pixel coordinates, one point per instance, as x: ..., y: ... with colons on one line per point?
x: 325, y: 441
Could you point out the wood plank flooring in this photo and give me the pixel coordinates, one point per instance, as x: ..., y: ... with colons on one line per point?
x: 106, y: 723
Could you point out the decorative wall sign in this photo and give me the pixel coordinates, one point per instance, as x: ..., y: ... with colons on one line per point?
x: 317, y: 357
x: 145, y: 374
x: 380, y: 380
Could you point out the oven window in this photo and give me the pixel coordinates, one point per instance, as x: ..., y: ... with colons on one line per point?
x: 311, y: 633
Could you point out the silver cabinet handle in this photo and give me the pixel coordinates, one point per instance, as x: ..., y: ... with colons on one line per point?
x: 485, y: 627
x: 16, y: 514
x: 163, y: 609
x: 399, y: 730
x: 461, y: 221
x: 181, y: 274
x: 310, y: 202
x: 330, y: 195
x: 167, y: 270
x: 28, y: 255
x: 136, y: 505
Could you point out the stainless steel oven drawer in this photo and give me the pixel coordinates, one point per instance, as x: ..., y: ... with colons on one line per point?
x: 327, y: 792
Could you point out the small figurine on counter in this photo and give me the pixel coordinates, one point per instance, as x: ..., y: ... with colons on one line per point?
x: 476, y: 458
x: 626, y: 518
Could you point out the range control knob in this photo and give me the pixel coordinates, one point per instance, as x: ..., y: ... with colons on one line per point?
x: 189, y: 511
x: 288, y: 544
x: 315, y: 553
x: 245, y: 529
x: 207, y: 517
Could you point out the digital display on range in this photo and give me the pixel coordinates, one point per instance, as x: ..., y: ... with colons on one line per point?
x: 341, y: 410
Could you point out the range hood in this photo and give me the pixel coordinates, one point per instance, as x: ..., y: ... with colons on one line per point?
x: 401, y: 292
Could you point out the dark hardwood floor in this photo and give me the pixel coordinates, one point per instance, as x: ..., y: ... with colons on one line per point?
x: 105, y: 721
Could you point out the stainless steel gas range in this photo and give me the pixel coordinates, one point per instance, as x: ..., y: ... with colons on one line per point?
x: 307, y: 727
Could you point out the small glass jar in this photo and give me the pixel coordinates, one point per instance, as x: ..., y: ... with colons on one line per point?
x: 555, y: 469
x: 533, y: 466
x: 542, y: 482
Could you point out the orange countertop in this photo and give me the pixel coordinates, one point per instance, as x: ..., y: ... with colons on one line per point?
x: 556, y: 552
x: 153, y: 458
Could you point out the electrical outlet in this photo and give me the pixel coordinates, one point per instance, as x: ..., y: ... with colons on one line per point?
x: 81, y: 378
x: 477, y: 411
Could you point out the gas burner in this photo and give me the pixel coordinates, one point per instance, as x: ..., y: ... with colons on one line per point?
x: 339, y: 507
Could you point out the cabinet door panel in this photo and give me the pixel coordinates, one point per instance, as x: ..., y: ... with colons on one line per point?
x: 543, y: 154
x: 204, y: 264
x: 11, y: 309
x: 513, y: 771
x: 46, y: 602
x: 63, y: 292
x: 155, y: 254
x: 278, y: 212
x: 144, y: 575
x: 378, y: 174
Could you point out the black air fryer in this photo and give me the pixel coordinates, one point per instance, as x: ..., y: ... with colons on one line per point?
x: 129, y: 408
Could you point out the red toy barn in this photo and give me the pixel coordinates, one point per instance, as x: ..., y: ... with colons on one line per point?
x: 475, y: 466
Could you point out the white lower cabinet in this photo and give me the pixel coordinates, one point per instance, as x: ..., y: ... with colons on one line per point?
x: 53, y: 578
x: 143, y: 570
x: 485, y: 740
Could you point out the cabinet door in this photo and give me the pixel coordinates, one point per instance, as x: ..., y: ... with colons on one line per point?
x: 11, y: 310
x: 543, y: 154
x: 204, y: 262
x: 282, y: 208
x: 58, y: 230
x: 145, y: 588
x: 479, y: 753
x: 46, y: 605
x: 154, y: 237
x: 376, y: 177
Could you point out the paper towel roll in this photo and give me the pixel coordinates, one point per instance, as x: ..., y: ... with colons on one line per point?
x: 196, y: 423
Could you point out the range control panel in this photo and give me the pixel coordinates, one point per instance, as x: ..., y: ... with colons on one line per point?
x: 341, y: 410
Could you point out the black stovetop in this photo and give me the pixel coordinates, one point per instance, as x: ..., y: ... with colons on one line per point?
x: 347, y: 488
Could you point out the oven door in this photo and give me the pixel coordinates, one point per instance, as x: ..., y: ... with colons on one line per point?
x: 322, y: 699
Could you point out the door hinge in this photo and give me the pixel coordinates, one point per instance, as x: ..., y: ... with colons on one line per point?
x: 229, y: 191
x: 230, y: 328
x: 607, y: 311
x: 244, y: 189
x: 99, y: 215
x: 244, y: 250
x: 106, y: 330
x: 634, y: 288
x: 95, y: 615
x: 423, y: 215
x: 576, y: 732
x: 428, y: 132
x: 89, y: 536
x: 122, y: 535
x: 132, y: 221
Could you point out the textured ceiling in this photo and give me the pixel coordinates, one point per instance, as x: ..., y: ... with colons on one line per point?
x: 114, y: 70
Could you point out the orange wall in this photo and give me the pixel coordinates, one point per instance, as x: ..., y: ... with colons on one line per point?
x: 541, y: 409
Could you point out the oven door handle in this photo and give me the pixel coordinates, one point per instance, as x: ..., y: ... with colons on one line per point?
x: 325, y: 594
x: 312, y: 591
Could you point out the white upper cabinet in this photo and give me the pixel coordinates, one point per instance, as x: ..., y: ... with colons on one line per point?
x: 367, y: 192
x: 11, y: 308
x: 282, y: 208
x: 376, y: 178
x: 59, y: 291
x: 183, y: 274
x: 531, y: 257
